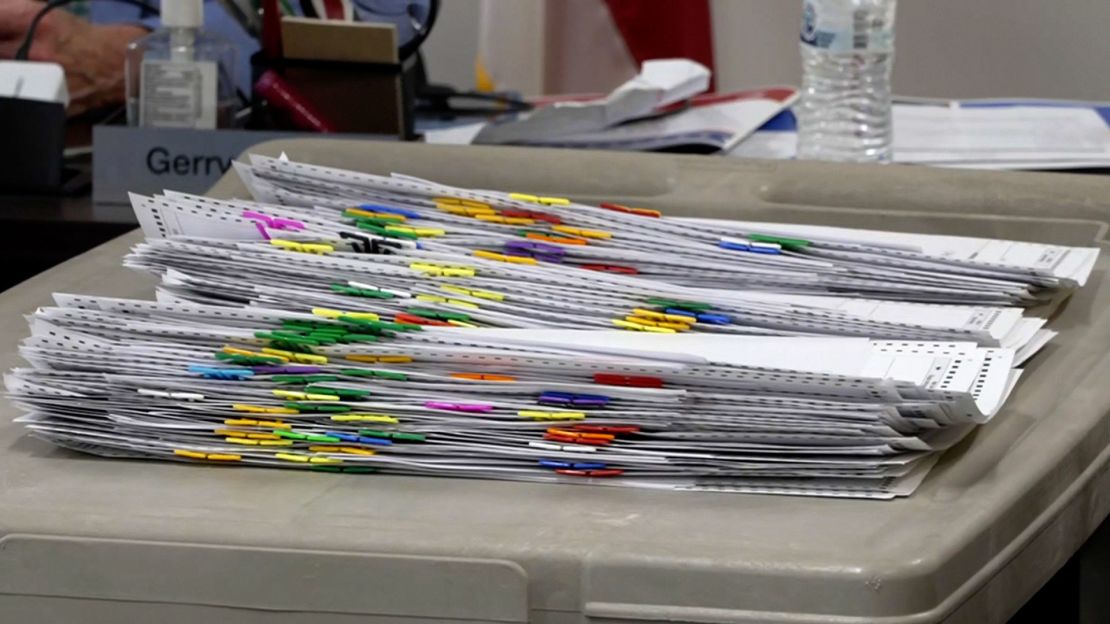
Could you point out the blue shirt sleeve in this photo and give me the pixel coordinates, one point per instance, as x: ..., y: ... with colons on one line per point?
x: 216, y: 21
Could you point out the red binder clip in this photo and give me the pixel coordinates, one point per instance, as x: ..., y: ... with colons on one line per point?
x: 628, y: 380
x: 402, y: 317
x: 611, y: 268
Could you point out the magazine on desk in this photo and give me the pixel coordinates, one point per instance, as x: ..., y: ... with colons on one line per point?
x: 664, y: 108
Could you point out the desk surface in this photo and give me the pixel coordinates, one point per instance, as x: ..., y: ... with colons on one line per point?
x: 39, y: 231
x: 999, y: 514
x: 63, y: 210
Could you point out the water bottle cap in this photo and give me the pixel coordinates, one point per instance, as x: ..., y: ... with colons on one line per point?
x: 182, y: 13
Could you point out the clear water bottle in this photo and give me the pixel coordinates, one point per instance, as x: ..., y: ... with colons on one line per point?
x: 847, y: 54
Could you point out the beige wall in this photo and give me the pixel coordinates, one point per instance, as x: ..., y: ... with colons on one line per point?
x: 946, y: 48
x: 450, y: 50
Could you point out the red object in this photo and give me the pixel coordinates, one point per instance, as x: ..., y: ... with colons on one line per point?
x: 611, y: 268
x: 616, y: 429
x: 778, y: 94
x: 532, y: 214
x: 573, y: 440
x: 628, y: 380
x: 603, y: 472
x: 402, y: 317
x: 643, y: 212
x: 333, y: 9
x: 655, y: 29
x: 616, y: 207
x: 271, y: 29
x: 283, y: 96
x: 555, y: 431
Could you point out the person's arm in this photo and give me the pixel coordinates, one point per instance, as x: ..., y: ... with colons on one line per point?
x: 92, y: 55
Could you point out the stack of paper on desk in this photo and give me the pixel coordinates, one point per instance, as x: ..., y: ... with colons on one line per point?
x: 706, y: 124
x: 662, y: 108
x: 550, y: 239
x: 345, y: 322
x: 840, y: 416
x: 660, y: 82
x: 977, y: 134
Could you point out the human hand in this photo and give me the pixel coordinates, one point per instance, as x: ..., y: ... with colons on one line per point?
x: 91, y: 55
x: 15, y: 18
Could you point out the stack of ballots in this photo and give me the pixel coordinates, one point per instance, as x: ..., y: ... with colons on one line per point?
x: 353, y: 323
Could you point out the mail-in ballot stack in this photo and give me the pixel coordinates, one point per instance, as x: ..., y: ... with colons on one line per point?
x: 353, y: 323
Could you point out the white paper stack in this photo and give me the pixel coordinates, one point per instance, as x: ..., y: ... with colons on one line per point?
x: 346, y: 322
x: 827, y: 416
x: 660, y: 82
x: 975, y: 134
x: 687, y: 253
x: 662, y: 108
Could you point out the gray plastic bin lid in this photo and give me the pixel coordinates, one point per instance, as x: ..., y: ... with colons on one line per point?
x: 102, y: 541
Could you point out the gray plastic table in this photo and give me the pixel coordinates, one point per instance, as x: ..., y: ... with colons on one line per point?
x: 101, y: 541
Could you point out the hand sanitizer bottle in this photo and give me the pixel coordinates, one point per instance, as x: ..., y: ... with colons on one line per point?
x: 180, y: 76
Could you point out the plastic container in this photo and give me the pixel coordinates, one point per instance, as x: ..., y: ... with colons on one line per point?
x: 847, y: 51
x: 180, y: 76
x: 99, y: 541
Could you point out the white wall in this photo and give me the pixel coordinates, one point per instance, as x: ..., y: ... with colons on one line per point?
x: 450, y: 50
x: 946, y: 48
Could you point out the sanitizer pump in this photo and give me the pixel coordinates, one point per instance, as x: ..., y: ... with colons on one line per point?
x: 180, y: 76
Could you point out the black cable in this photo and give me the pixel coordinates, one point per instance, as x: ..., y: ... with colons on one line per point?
x: 422, y: 30
x: 414, y: 44
x: 25, y: 47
